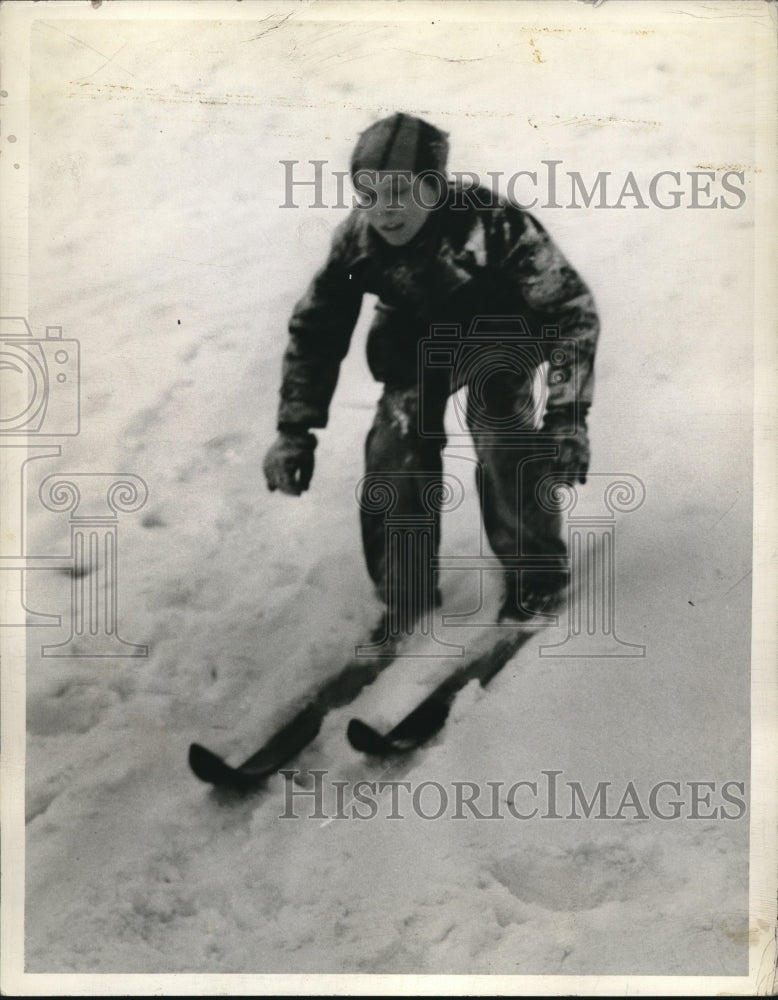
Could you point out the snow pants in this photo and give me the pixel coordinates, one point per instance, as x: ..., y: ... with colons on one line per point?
x: 400, y: 517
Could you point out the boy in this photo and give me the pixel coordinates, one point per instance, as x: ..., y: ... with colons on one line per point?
x: 435, y: 257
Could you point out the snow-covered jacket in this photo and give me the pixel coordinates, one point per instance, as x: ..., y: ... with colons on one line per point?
x: 473, y: 257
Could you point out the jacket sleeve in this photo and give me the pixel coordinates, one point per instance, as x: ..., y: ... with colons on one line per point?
x: 319, y: 336
x: 544, y: 279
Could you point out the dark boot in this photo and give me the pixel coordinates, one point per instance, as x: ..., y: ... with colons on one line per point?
x: 536, y: 593
x: 393, y: 623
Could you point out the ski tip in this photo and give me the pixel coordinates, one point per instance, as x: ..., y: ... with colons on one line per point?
x: 367, y: 740
x: 212, y: 769
x: 207, y: 765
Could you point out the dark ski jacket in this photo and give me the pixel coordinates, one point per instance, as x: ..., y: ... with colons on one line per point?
x: 475, y: 256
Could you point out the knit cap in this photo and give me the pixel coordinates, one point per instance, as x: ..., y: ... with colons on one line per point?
x: 401, y: 142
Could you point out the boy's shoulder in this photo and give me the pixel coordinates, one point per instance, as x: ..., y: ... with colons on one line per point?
x: 463, y: 210
x: 479, y: 205
x: 484, y: 218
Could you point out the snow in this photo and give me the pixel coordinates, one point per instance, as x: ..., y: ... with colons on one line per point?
x: 157, y: 240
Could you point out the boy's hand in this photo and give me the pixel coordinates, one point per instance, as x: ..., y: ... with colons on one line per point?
x: 288, y: 465
x: 572, y: 462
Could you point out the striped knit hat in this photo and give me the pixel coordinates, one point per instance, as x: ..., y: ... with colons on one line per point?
x: 401, y: 142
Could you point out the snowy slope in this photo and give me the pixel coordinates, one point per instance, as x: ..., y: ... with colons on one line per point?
x: 157, y: 240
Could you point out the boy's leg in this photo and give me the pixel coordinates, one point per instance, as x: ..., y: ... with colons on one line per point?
x: 400, y: 527
x: 512, y: 460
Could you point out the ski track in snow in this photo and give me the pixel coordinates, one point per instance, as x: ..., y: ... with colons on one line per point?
x: 178, y: 279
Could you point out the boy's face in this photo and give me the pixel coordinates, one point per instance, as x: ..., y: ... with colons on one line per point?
x: 397, y: 206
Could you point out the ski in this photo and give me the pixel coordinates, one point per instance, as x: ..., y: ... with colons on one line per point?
x: 298, y: 732
x: 429, y: 717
